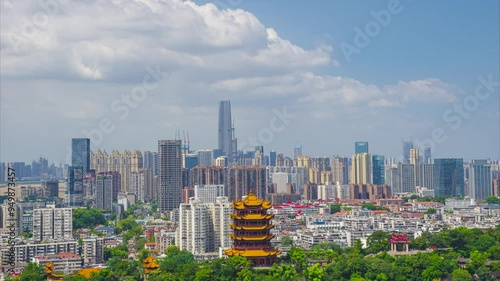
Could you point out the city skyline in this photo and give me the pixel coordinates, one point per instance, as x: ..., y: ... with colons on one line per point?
x: 267, y: 66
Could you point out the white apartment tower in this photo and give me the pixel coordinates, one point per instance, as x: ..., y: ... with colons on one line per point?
x: 208, y: 193
x: 52, y: 224
x: 204, y: 227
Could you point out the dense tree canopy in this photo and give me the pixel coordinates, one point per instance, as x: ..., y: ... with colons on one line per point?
x: 87, y: 218
x: 324, y: 262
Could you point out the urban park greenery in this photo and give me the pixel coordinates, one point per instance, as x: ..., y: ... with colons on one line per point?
x: 324, y: 262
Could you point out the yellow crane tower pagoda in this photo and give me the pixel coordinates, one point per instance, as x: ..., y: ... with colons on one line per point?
x: 251, y: 225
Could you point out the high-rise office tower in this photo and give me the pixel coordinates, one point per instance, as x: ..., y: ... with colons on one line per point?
x: 407, y: 145
x: 227, y: 141
x: 415, y: 161
x: 169, y: 175
x: 406, y: 177
x: 272, y: 158
x: 361, y: 147
x: 427, y: 155
x: 258, y: 159
x: 378, y: 169
x: 142, y: 186
x: 361, y: 168
x: 480, y: 179
x: 449, y: 177
x: 297, y: 151
x: 80, y: 153
x: 340, y: 169
x: 52, y: 224
x: 19, y: 168
x: 205, y: 158
x: 150, y: 161
x: 392, y: 178
x: 104, y: 192
x: 74, y: 189
x: 427, y: 175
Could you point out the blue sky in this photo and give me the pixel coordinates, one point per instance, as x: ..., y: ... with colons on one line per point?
x: 453, y: 40
x: 266, y: 57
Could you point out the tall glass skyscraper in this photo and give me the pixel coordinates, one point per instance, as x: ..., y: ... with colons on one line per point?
x: 227, y: 142
x: 378, y: 169
x: 480, y: 179
x: 169, y: 175
x: 297, y: 151
x: 272, y: 158
x: 80, y: 154
x: 74, y: 191
x: 407, y: 146
x: 449, y: 177
x: 360, y: 147
x: 427, y: 155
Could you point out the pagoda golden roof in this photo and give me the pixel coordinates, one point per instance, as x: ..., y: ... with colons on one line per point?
x: 252, y: 217
x: 87, y: 272
x: 150, y: 264
x: 246, y: 227
x: 254, y: 238
x: 251, y: 201
x: 251, y: 253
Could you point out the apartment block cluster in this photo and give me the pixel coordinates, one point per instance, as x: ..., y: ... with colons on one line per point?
x: 312, y: 224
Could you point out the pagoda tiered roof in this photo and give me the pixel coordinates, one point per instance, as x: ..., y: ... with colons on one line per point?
x: 251, y: 201
x: 252, y: 253
x: 252, y: 238
x: 247, y: 227
x: 252, y: 217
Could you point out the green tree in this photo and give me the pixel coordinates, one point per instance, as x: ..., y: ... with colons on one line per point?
x: 286, y: 241
x: 494, y: 252
x: 495, y: 266
x: 140, y: 244
x: 283, y: 272
x: 378, y: 242
x: 314, y: 273
x: 87, y: 218
x: 478, y: 259
x: 335, y: 208
x: 33, y: 272
x: 492, y: 200
x: 485, y: 274
x: 461, y: 275
x: 298, y: 257
x: 430, y: 211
